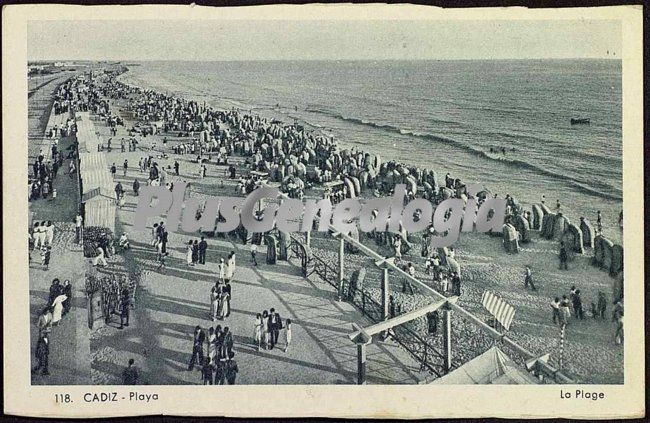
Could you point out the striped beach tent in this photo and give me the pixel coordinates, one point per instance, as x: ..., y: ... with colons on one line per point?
x: 502, y: 311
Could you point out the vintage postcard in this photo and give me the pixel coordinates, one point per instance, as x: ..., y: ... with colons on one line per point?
x: 325, y: 210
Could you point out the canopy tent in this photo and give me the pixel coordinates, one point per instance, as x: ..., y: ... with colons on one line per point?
x: 99, y: 208
x: 493, y: 367
x: 86, y: 136
x: 94, y: 172
x: 97, y: 191
x: 89, y: 161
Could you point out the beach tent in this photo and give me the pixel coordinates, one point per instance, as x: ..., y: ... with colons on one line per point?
x: 99, y: 208
x: 617, y: 260
x: 572, y: 238
x: 98, y: 191
x: 86, y: 135
x: 538, y: 215
x: 588, y: 233
x: 493, y: 367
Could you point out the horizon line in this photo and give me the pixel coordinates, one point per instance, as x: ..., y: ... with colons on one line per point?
x: 324, y: 59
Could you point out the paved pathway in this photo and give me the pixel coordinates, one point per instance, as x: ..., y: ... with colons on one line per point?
x: 170, y: 304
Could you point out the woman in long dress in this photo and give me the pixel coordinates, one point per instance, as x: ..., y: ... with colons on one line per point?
x: 214, y: 302
x: 230, y: 269
x: 265, y: 328
x: 287, y: 335
x: 189, y: 253
x: 225, y: 308
x: 57, y: 309
x: 220, y: 303
x: 49, y: 233
x: 258, y: 331
x: 222, y: 270
x: 212, y: 347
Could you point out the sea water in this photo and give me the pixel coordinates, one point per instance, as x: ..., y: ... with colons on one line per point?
x: 450, y: 116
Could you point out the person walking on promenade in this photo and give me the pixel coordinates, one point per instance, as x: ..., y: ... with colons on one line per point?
x: 188, y: 256
x: 265, y: 329
x: 257, y: 331
x: 231, y: 369
x: 78, y: 221
x: 130, y: 375
x: 38, y: 235
x: 125, y: 166
x: 203, y: 247
x: 195, y: 252
x: 206, y: 371
x: 49, y: 233
x: 227, y: 292
x: 136, y: 187
x: 177, y: 168
x: 219, y: 372
x: 563, y: 257
x: 163, y: 240
x: 197, y: 347
x: 57, y: 308
x: 222, y: 270
x: 45, y: 321
x: 125, y: 304
x: 275, y: 324
x: 230, y: 266
x: 528, y: 279
x: 55, y: 290
x: 228, y: 341
x: 212, y: 345
x: 67, y: 291
x: 113, y: 170
x: 287, y: 335
x: 154, y: 235
x: 46, y: 254
x: 42, y: 354
x: 214, y: 301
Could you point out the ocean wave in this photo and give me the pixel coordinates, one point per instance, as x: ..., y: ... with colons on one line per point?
x: 614, y: 194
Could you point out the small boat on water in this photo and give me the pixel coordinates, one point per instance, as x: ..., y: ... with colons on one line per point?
x: 579, y: 121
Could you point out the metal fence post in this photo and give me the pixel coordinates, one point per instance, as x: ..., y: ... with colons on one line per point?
x: 341, y: 267
x: 446, y: 336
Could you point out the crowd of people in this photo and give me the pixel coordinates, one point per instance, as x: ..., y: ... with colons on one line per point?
x: 40, y: 239
x: 572, y: 305
x: 218, y: 365
x: 268, y: 325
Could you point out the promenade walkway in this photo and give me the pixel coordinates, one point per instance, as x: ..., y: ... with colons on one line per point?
x: 171, y: 303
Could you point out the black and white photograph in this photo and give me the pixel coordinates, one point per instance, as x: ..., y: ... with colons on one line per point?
x: 441, y: 202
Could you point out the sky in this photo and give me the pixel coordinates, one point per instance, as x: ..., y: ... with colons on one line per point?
x: 321, y: 40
